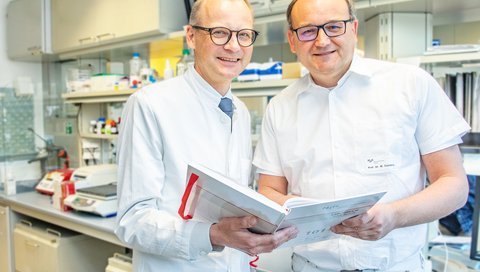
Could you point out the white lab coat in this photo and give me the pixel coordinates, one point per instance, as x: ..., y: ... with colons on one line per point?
x: 365, y: 135
x: 164, y: 127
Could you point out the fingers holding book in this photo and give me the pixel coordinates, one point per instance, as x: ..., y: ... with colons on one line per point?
x: 233, y: 232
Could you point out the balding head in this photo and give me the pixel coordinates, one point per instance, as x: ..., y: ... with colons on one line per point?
x: 198, y: 12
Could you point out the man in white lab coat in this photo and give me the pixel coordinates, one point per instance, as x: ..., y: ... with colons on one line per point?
x: 355, y: 126
x: 168, y: 125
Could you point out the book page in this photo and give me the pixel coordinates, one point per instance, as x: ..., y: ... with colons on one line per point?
x: 314, y: 220
x: 299, y: 201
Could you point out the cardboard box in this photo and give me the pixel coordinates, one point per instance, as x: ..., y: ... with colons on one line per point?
x: 292, y: 70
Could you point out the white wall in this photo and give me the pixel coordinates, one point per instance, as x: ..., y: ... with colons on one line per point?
x: 9, y: 71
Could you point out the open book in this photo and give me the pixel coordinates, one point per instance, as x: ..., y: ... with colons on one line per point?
x: 210, y: 196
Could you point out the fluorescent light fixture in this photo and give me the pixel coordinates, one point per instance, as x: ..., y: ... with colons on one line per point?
x: 362, y: 4
x: 374, y: 3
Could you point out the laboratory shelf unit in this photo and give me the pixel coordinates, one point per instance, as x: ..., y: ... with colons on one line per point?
x: 449, y: 58
x: 98, y: 136
x: 94, y: 104
x: 97, y: 96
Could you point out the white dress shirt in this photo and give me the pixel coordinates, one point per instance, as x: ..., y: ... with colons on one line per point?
x: 164, y: 127
x: 364, y: 135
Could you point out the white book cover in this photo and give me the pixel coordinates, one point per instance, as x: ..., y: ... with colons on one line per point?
x: 210, y: 196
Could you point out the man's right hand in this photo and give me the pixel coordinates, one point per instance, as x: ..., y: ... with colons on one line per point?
x: 233, y: 232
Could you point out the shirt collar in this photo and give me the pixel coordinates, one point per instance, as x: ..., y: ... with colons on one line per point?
x: 203, y: 89
x: 357, y: 67
x: 360, y: 67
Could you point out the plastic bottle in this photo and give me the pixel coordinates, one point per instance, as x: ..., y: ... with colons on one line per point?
x: 135, y: 66
x: 10, y: 184
x: 182, y: 64
x: 168, y: 72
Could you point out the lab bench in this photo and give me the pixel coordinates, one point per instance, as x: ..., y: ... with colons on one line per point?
x: 32, y: 205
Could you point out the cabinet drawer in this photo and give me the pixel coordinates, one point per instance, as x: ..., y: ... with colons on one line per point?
x: 35, y: 253
x: 42, y: 247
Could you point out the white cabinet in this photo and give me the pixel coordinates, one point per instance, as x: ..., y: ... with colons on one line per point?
x: 394, y: 34
x: 90, y: 23
x: 5, y: 242
x: 260, y: 7
x: 28, y: 29
x: 43, y: 247
x: 279, y: 6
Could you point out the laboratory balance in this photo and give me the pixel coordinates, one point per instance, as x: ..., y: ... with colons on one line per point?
x: 100, y: 200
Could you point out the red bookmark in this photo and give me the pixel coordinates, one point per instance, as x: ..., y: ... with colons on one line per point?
x: 186, y: 194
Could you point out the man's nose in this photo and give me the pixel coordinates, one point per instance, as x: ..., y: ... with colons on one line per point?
x: 322, y: 38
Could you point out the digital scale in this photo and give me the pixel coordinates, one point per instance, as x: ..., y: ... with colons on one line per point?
x: 87, y: 176
x: 100, y: 200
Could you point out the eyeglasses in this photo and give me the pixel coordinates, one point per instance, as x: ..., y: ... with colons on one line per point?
x: 222, y: 35
x: 331, y: 29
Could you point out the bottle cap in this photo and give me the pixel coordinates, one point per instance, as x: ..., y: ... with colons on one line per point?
x: 136, y: 54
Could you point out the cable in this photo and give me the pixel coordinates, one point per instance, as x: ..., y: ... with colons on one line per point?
x: 446, y: 248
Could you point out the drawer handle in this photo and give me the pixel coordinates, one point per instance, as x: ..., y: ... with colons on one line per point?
x: 85, y: 39
x: 54, y: 232
x: 112, y: 35
x: 25, y: 222
x: 28, y: 243
x: 34, y: 48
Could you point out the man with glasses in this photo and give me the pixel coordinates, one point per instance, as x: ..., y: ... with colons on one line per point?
x: 355, y: 126
x: 193, y: 118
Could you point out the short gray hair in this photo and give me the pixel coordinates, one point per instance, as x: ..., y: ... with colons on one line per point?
x: 350, y: 4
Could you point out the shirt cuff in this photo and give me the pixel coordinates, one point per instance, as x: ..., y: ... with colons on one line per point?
x: 200, y: 240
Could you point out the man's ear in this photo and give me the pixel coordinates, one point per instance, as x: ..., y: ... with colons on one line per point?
x: 291, y: 41
x: 189, y: 37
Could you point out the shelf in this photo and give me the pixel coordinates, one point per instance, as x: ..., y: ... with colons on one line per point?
x: 260, y: 88
x: 97, y: 96
x: 452, y: 57
x: 99, y: 136
x: 241, y: 89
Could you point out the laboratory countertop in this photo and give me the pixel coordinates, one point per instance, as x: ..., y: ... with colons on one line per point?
x: 36, y: 205
x: 39, y: 206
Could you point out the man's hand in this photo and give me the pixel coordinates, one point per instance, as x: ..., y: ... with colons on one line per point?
x: 233, y: 232
x: 372, y: 225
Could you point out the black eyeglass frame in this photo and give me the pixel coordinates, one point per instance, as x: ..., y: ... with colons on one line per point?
x: 210, y: 29
x: 323, y: 28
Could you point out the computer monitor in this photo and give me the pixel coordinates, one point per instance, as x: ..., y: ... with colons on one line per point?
x: 475, y: 244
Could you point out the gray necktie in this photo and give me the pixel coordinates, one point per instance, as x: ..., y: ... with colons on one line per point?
x: 226, y: 106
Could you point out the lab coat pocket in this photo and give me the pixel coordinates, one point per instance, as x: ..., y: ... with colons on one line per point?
x: 377, y: 147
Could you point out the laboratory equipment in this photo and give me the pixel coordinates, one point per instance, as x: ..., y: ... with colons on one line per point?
x: 100, y: 200
x: 94, y: 175
x: 46, y: 184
